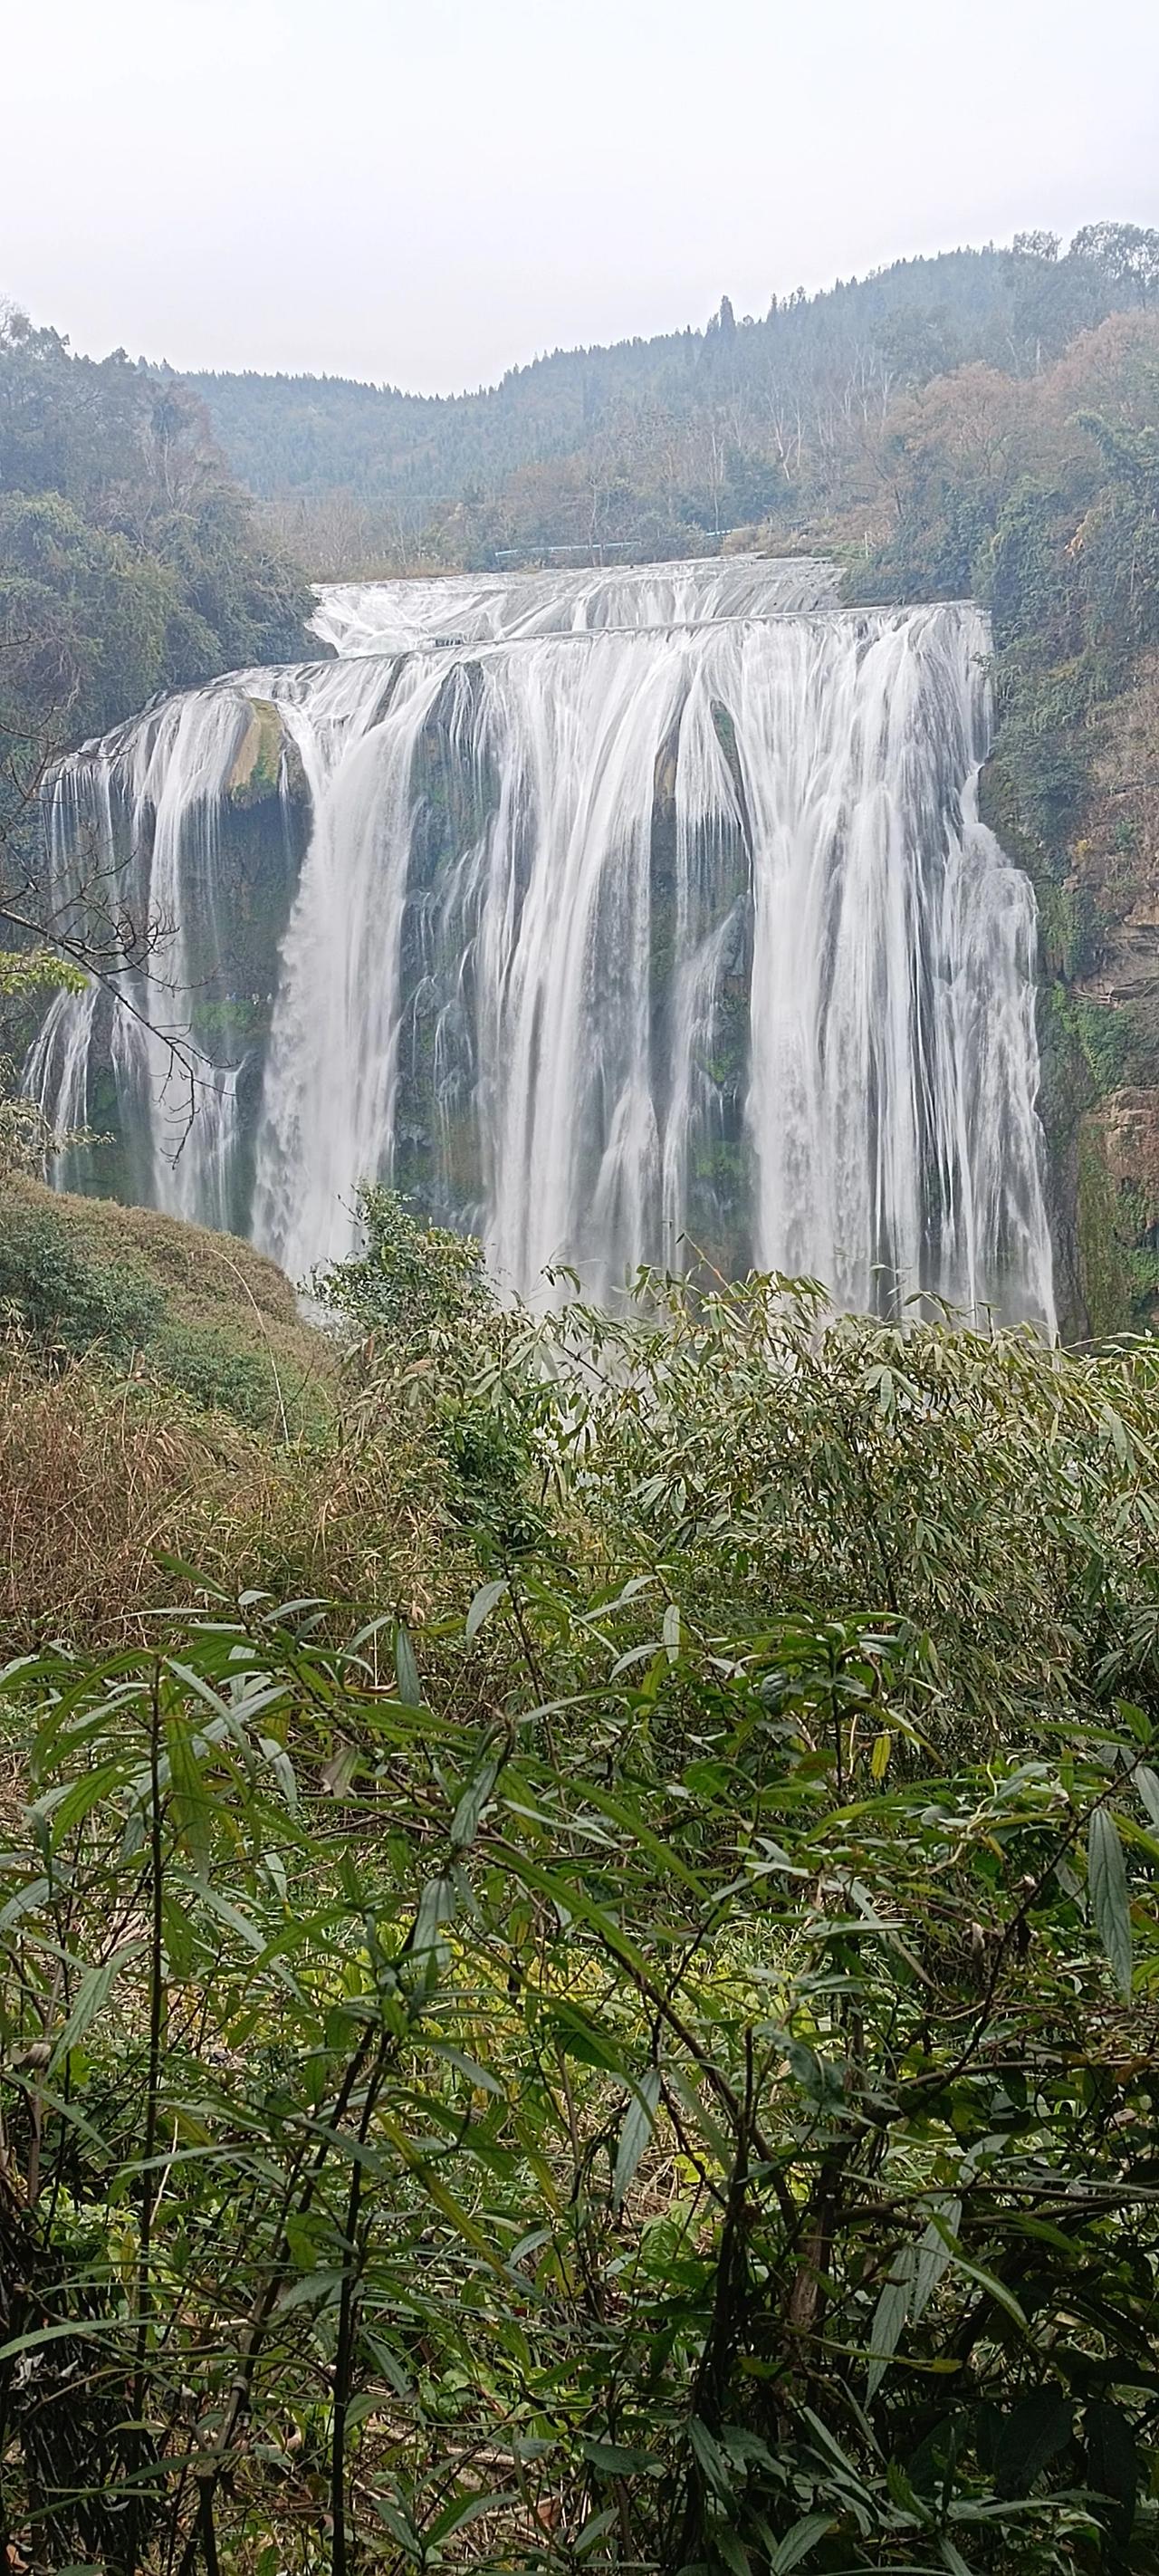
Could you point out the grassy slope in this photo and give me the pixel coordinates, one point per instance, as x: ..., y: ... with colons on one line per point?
x: 174, y: 1304
x: 161, y: 1397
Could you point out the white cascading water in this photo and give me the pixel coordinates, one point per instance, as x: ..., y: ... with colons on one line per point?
x: 640, y: 910
x: 479, y: 608
x: 135, y: 820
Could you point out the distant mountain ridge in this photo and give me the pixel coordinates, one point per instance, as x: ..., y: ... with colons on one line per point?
x: 311, y: 435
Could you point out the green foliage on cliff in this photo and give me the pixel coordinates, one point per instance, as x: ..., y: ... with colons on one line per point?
x: 129, y: 559
x: 1039, y: 494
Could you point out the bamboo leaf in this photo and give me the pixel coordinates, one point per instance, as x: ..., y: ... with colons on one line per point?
x: 798, y: 2542
x: 613, y: 2460
x: 465, y: 1821
x: 577, y: 2033
x: 468, y: 2067
x: 436, y: 1906
x: 406, y: 1671
x: 710, y: 2459
x: 1147, y: 1784
x: 996, y: 2289
x: 483, y: 1604
x: 462, y: 2510
x: 889, y: 2317
x: 935, y: 2251
x: 1110, y: 1903
x: 729, y: 2550
x: 1031, y: 2436
x: 192, y: 1804
x: 92, y: 1994
x: 595, y: 2529
x: 635, y: 2133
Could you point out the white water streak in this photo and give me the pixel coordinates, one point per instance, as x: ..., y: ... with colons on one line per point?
x: 634, y: 902
x: 480, y: 608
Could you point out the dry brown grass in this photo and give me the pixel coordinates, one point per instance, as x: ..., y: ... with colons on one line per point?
x: 111, y: 1464
x: 94, y: 1482
x: 100, y: 1481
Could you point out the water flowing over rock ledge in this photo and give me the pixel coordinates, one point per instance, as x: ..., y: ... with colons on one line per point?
x: 689, y: 937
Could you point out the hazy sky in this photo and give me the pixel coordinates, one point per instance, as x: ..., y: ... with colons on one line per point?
x: 429, y: 191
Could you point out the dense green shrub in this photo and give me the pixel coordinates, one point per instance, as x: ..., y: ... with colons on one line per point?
x: 410, y: 1281
x: 654, y: 2128
x: 204, y: 1362
x: 765, y: 1457
x: 66, y: 1299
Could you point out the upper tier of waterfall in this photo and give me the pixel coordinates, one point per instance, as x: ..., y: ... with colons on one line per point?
x: 476, y: 608
x: 618, y: 916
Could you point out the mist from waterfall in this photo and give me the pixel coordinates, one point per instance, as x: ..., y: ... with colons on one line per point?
x: 644, y: 915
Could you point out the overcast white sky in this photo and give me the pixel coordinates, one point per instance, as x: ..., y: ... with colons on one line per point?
x: 429, y: 191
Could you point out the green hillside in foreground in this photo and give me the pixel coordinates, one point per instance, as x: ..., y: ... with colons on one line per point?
x: 160, y: 1399
x: 170, y: 1305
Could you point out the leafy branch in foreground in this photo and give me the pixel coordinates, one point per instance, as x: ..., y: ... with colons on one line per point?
x: 650, y: 2064
x: 720, y: 2150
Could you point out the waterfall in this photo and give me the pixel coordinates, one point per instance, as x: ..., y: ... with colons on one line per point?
x: 636, y: 915
x: 477, y: 608
x: 134, y: 836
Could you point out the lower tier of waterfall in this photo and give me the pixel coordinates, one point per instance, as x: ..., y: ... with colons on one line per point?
x: 626, y: 917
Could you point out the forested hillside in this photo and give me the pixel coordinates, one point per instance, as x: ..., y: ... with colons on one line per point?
x: 654, y: 442
x: 310, y: 433
x: 129, y: 557
x: 130, y: 563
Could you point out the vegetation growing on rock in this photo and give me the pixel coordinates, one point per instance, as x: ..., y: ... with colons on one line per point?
x: 130, y: 561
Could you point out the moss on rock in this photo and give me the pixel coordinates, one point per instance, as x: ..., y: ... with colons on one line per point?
x: 1104, y: 1274
x: 261, y: 753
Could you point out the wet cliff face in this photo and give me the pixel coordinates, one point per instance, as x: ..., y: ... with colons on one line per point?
x: 1097, y: 885
x: 1114, y: 886
x: 612, y: 942
x: 205, y: 874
